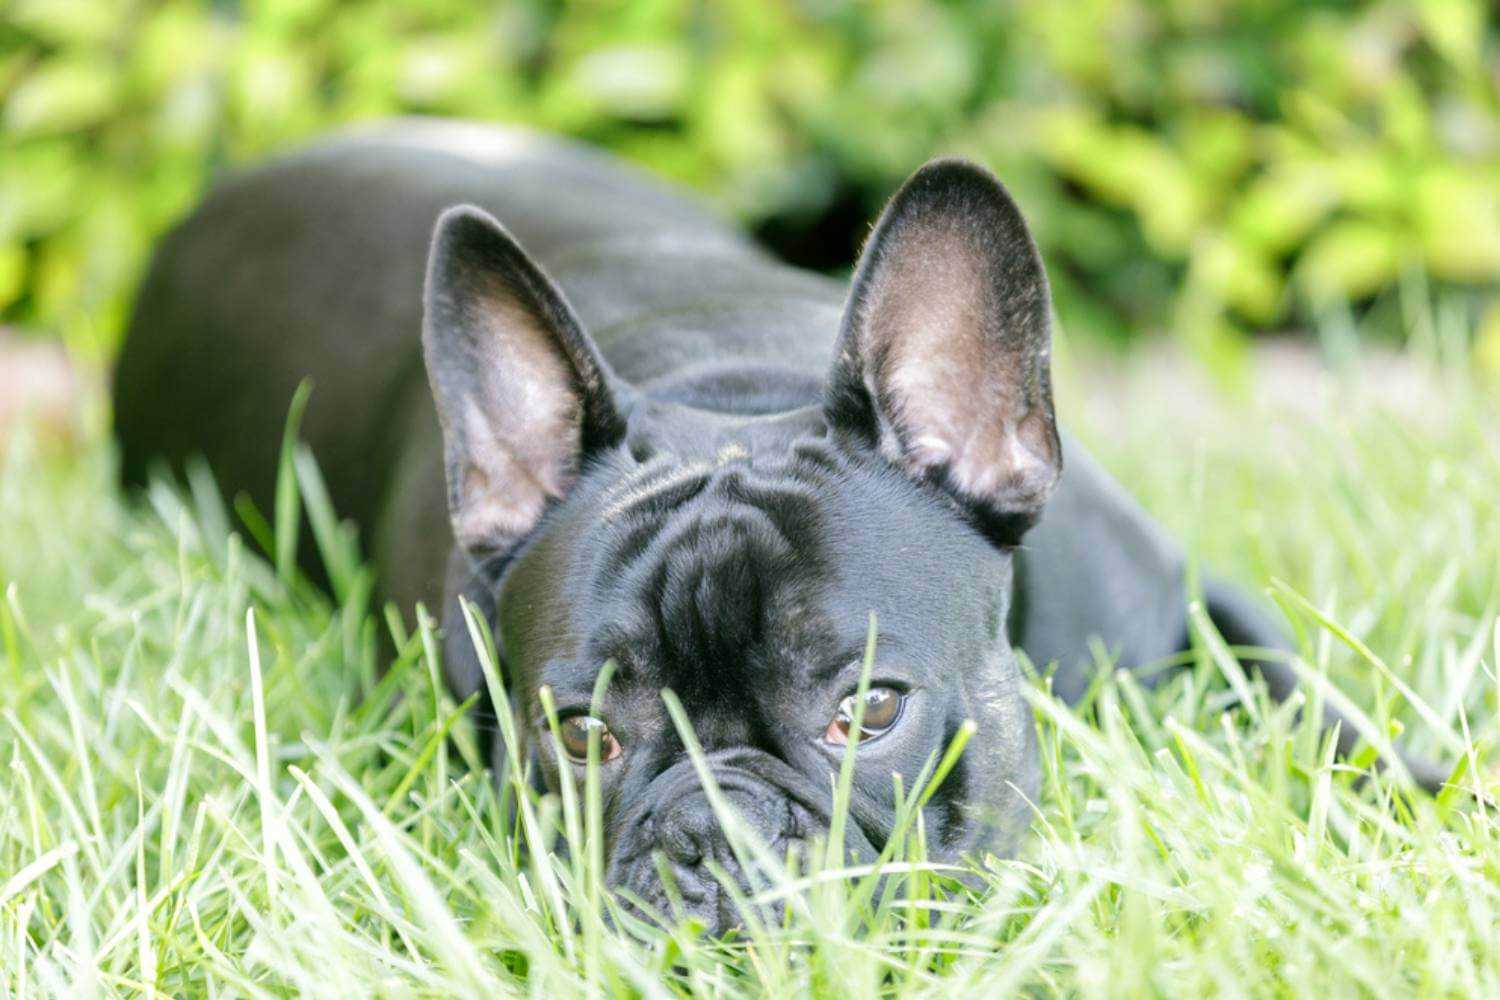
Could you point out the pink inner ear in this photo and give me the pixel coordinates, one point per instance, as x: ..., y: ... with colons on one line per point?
x: 522, y: 428
x: 960, y: 388
x: 1004, y: 462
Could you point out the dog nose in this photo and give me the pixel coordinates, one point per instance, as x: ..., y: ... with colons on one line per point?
x: 678, y: 859
x: 689, y: 834
x: 695, y: 848
x: 686, y: 835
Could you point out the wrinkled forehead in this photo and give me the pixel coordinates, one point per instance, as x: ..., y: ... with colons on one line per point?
x: 743, y: 567
x: 708, y: 563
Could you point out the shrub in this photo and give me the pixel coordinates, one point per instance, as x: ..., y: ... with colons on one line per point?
x: 1203, y: 166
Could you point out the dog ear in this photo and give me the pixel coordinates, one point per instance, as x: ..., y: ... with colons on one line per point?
x: 521, y: 391
x: 943, y: 357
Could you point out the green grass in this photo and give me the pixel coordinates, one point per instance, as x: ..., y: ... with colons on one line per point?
x: 198, y: 801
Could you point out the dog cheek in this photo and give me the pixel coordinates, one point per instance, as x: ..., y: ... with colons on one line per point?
x: 1002, y: 753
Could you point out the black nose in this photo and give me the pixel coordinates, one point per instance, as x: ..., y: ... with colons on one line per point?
x: 688, y: 830
x: 677, y: 859
x: 686, y: 834
x: 695, y: 847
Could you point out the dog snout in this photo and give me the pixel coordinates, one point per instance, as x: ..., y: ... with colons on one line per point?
x: 702, y: 858
x: 689, y: 832
x: 675, y: 857
x: 686, y: 833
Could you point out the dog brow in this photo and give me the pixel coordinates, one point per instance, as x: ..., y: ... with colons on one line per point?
x: 849, y: 658
x: 656, y: 485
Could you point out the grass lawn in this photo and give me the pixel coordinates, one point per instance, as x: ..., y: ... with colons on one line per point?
x: 196, y: 799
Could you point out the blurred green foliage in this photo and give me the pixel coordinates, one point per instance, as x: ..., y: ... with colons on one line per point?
x: 1198, y: 166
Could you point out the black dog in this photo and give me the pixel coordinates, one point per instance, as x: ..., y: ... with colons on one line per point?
x: 656, y: 445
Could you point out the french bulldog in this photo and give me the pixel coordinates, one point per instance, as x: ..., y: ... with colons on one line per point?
x: 625, y: 433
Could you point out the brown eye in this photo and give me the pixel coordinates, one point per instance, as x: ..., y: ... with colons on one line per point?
x: 882, y: 709
x: 575, y: 731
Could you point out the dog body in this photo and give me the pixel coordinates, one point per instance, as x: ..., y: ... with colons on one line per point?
x: 654, y: 444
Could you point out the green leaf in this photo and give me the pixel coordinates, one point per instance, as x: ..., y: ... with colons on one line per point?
x: 61, y: 96
x: 1350, y: 259
x: 1458, y: 216
x: 12, y: 273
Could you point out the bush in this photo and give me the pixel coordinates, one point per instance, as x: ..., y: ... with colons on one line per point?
x: 1203, y: 166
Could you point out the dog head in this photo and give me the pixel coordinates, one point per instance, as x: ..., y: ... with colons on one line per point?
x: 737, y: 560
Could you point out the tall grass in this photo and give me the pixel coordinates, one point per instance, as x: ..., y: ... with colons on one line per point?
x: 210, y: 787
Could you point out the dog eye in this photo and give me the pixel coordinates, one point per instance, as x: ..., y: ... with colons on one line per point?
x: 882, y: 709
x: 574, y: 731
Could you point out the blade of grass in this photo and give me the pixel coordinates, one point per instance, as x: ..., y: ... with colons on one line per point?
x: 288, y: 500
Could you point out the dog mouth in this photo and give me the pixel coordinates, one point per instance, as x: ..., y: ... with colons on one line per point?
x: 673, y: 859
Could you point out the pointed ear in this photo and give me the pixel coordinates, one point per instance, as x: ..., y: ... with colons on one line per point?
x: 521, y: 391
x: 943, y: 359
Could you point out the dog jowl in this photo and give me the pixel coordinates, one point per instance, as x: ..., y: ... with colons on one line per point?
x: 641, y: 441
x: 735, y: 559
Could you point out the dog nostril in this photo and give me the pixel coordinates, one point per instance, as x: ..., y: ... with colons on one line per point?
x: 688, y: 833
x: 682, y: 844
x: 640, y: 449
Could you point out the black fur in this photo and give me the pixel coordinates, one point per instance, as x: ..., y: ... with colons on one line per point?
x: 729, y: 517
